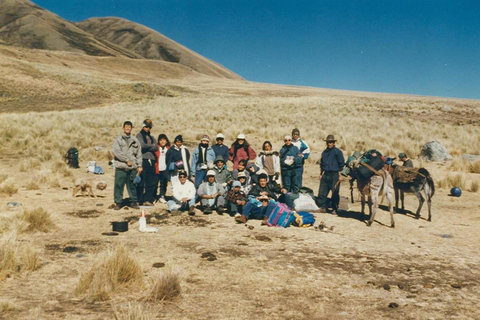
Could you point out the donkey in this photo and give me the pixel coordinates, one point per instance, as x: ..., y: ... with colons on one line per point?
x: 413, y: 180
x: 380, y: 183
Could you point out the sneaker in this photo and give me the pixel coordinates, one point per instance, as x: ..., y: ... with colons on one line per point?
x: 134, y: 205
x: 118, y: 206
x: 237, y: 215
x: 148, y: 204
x: 191, y: 211
x: 207, y: 210
x: 162, y: 200
x: 241, y: 219
x: 221, y: 209
x: 175, y: 212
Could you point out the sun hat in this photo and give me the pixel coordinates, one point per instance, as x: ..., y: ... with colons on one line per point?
x: 330, y: 137
x: 219, y: 158
x: 241, y: 175
x: 241, y: 136
x: 210, y: 173
x: 220, y: 136
x: 287, y: 137
x: 236, y: 184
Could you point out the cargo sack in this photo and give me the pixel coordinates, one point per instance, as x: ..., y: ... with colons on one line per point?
x: 281, y: 216
x: 303, y: 219
x: 374, y: 159
x: 91, y: 166
x: 71, y: 158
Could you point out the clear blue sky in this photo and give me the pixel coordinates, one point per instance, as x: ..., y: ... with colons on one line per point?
x: 425, y: 47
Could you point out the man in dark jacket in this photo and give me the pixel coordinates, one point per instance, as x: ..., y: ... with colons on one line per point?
x: 271, y: 189
x: 331, y: 165
x: 406, y: 161
x: 219, y: 148
x: 290, y: 162
x: 147, y: 188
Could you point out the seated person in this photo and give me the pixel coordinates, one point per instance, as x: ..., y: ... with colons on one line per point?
x: 245, y: 186
x: 236, y: 199
x: 211, y: 194
x: 272, y: 189
x: 252, y: 171
x: 222, y: 175
x: 184, y: 193
x: 242, y: 167
x: 260, y: 209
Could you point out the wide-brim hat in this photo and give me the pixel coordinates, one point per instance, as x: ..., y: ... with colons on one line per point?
x: 241, y: 136
x: 330, y: 137
x: 210, y: 173
x: 241, y: 175
x: 220, y: 136
x: 218, y: 158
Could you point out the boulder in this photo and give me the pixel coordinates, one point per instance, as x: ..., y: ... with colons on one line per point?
x: 435, y: 151
x: 471, y: 157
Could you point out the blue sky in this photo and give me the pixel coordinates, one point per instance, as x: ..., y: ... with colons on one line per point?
x: 424, y: 47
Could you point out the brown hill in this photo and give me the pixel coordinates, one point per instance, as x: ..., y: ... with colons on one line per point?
x: 24, y: 24
x: 150, y: 44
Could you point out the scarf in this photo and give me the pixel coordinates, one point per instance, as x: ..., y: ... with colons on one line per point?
x: 202, y: 150
x: 183, y: 151
x: 144, y: 135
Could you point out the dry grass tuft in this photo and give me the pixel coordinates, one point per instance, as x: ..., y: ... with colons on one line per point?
x: 475, y: 167
x: 3, y: 177
x: 453, y: 180
x: 6, y: 306
x: 32, y: 185
x: 165, y: 287
x: 16, y: 257
x: 8, y: 188
x: 37, y: 219
x: 474, y: 186
x: 134, y: 311
x: 108, y: 275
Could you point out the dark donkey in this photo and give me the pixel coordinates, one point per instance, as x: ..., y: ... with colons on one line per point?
x: 413, y: 180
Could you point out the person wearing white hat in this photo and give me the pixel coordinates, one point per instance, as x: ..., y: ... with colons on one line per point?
x: 290, y: 161
x: 211, y: 194
x: 240, y: 149
x: 201, y: 157
x: 219, y: 148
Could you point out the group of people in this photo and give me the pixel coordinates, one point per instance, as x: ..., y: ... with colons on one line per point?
x: 146, y: 165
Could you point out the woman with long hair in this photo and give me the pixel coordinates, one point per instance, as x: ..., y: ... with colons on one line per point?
x: 239, y: 150
x: 161, y: 165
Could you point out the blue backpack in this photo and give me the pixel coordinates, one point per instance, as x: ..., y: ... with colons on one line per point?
x: 303, y: 219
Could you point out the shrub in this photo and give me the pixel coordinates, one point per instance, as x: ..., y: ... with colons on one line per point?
x: 16, y: 257
x: 134, y: 311
x: 475, y: 167
x: 474, y: 186
x: 165, y: 287
x: 452, y: 180
x: 3, y: 177
x: 8, y: 188
x: 6, y: 307
x: 37, y: 219
x: 108, y: 275
x: 32, y: 185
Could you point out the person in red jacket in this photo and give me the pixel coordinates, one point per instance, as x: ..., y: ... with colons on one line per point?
x: 239, y: 150
x: 161, y: 166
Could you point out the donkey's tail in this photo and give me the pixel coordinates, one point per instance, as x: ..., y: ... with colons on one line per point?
x: 429, y: 180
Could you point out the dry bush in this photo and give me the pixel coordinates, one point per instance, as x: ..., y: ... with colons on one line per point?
x: 30, y: 164
x: 6, y: 306
x: 452, y: 180
x: 3, y: 177
x: 32, y: 185
x: 37, y: 219
x: 474, y: 186
x: 16, y: 257
x: 134, y: 311
x: 459, y: 164
x: 165, y: 286
x: 8, y: 188
x: 110, y: 274
x: 475, y: 167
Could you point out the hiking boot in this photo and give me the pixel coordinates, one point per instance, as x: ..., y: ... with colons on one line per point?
x: 221, y: 209
x: 264, y: 221
x: 175, y: 212
x: 162, y: 199
x: 191, y: 211
x: 118, y: 206
x: 148, y: 204
x: 207, y: 210
x: 241, y: 219
x: 134, y: 205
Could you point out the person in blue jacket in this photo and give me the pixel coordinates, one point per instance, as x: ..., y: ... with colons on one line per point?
x: 202, y: 156
x: 290, y: 161
x: 331, y: 165
x: 219, y: 148
x: 304, y: 154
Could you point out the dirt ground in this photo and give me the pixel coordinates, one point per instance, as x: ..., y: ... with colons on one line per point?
x: 419, y: 270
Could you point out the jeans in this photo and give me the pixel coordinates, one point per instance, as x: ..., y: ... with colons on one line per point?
x: 251, y: 211
x: 290, y: 180
x: 329, y: 182
x: 200, y: 176
x: 298, y: 177
x: 177, y: 205
x: 123, y: 178
x: 163, y: 178
x: 147, y: 188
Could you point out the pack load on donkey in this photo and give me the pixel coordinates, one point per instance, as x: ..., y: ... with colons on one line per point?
x: 364, y: 165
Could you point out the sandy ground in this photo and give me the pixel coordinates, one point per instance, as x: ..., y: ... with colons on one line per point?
x: 419, y: 270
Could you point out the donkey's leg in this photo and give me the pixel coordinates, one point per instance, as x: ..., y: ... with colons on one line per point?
x: 372, y: 202
x: 389, y: 195
x: 362, y: 201
x: 402, y: 198
x: 421, y: 200
x: 428, y: 195
x: 396, y: 198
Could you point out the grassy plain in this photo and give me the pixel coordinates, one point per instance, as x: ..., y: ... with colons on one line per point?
x: 208, y: 267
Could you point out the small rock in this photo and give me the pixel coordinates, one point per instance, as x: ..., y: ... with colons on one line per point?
x: 38, y: 194
x: 13, y: 204
x: 456, y: 286
x: 80, y: 255
x: 209, y: 256
x: 471, y: 157
x: 70, y: 249
x: 99, y: 204
x: 386, y: 287
x: 158, y: 265
x: 393, y: 305
x: 401, y: 286
x: 428, y: 286
x: 447, y: 108
x: 65, y: 188
x: 98, y: 148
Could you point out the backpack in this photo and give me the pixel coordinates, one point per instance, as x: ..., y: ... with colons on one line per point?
x: 303, y: 219
x: 281, y: 216
x: 71, y: 158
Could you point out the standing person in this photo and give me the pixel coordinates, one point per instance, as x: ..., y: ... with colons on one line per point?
x: 147, y: 188
x: 240, y: 149
x: 161, y: 166
x: 331, y: 165
x: 406, y: 161
x: 178, y: 158
x: 269, y: 160
x: 128, y: 163
x: 202, y: 155
x: 290, y: 161
x: 219, y: 148
x: 304, y: 153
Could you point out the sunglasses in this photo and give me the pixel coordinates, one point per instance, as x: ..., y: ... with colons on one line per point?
x: 264, y: 200
x: 288, y: 140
